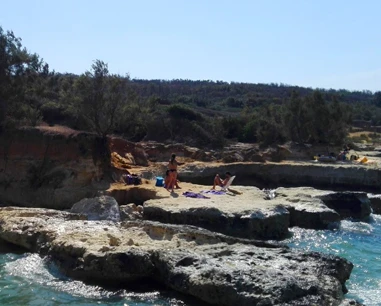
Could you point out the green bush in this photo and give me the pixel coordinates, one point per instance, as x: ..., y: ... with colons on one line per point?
x: 179, y: 111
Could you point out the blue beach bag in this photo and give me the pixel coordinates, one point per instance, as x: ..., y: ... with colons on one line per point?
x: 159, y: 181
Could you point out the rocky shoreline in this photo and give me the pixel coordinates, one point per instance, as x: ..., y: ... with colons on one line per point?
x: 217, y: 269
x: 204, y: 247
x: 213, y: 267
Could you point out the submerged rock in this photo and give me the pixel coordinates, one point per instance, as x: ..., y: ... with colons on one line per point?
x: 217, y: 269
x: 100, y: 208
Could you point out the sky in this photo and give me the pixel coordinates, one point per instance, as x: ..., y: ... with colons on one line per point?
x: 313, y: 43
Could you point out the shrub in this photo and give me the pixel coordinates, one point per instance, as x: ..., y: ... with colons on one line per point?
x: 179, y: 111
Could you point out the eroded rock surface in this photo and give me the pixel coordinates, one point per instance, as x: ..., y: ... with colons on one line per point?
x: 40, y: 167
x: 249, y: 213
x: 131, y: 212
x: 217, y: 269
x: 99, y: 208
x: 375, y: 201
x: 348, y: 204
x: 288, y: 173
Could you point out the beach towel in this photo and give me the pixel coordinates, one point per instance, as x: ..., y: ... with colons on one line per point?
x: 190, y: 194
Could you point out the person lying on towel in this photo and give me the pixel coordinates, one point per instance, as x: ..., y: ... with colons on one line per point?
x: 218, y: 181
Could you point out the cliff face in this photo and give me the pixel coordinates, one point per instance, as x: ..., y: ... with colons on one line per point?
x: 349, y: 176
x: 42, y: 167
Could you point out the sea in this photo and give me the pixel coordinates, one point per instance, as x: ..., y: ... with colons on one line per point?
x: 28, y: 279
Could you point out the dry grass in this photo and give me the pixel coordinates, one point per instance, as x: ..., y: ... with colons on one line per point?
x: 58, y: 129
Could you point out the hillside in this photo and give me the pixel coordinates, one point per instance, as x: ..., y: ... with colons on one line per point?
x: 201, y: 113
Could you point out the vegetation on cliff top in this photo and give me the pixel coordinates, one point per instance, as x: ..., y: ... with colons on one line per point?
x: 203, y: 113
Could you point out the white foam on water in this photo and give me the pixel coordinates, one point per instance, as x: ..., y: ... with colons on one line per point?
x: 356, y: 227
x: 32, y: 270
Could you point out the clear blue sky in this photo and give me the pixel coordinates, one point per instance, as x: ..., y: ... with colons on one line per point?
x: 314, y: 43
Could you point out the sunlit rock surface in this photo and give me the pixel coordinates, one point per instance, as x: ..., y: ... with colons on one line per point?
x: 248, y: 212
x: 217, y: 269
x: 99, y: 208
x: 131, y: 212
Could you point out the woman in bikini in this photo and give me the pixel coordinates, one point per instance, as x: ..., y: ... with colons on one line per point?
x: 220, y: 182
x: 172, y: 167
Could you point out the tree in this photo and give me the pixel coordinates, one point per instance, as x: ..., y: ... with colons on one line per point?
x: 297, y: 118
x: 377, y: 98
x: 19, y: 73
x: 101, y: 98
x: 339, y: 119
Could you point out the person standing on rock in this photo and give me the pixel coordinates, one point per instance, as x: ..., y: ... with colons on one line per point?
x: 172, y: 167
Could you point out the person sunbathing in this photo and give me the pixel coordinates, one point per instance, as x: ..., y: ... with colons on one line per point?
x: 218, y: 181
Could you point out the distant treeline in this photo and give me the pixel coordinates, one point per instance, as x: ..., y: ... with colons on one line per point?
x: 202, y: 113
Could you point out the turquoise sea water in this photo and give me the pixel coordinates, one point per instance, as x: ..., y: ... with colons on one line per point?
x: 27, y: 279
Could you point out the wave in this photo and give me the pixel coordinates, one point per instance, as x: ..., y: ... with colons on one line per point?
x: 44, y: 281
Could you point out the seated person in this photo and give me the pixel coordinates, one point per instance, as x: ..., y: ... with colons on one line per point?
x: 220, y: 182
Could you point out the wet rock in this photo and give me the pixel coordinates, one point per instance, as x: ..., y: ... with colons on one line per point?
x: 375, y: 202
x: 214, y: 268
x: 348, y: 204
x: 99, y: 208
x: 350, y: 302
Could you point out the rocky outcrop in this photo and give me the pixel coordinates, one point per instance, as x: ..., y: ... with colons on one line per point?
x: 245, y: 215
x: 249, y: 212
x: 217, y: 269
x: 158, y: 152
x: 42, y: 167
x: 306, y: 209
x: 348, y: 204
x: 375, y: 202
x: 131, y: 212
x: 133, y: 152
x: 99, y: 208
x: 269, y: 174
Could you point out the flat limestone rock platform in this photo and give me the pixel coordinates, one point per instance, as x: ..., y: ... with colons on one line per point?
x: 214, y: 268
x: 243, y: 212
